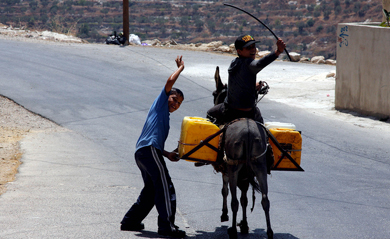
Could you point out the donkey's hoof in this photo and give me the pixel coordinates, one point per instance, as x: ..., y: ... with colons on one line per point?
x: 232, y: 232
x: 270, y: 234
x: 244, y: 229
x: 224, y: 218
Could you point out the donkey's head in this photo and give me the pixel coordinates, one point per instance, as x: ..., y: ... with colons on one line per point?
x: 221, y: 89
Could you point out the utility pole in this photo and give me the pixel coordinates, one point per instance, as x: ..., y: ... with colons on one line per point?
x: 126, y: 21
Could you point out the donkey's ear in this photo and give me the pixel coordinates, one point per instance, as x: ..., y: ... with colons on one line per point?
x: 218, y: 82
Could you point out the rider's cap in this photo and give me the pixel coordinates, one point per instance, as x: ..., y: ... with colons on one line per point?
x: 244, y: 41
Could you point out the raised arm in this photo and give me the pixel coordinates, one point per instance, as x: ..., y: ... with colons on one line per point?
x: 258, y: 65
x: 281, y: 46
x: 172, y: 79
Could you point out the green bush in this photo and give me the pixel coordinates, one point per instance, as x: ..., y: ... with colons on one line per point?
x: 310, y: 22
x: 319, y: 29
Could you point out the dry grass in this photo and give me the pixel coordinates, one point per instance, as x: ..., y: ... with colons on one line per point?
x: 10, y: 155
x: 15, y: 123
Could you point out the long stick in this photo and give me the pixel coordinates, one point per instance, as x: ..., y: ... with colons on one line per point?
x: 226, y: 4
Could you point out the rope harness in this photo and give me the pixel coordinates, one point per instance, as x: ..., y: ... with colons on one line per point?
x: 220, y: 150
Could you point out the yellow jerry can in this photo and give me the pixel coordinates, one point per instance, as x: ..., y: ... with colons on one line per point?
x: 291, y: 141
x: 193, y: 131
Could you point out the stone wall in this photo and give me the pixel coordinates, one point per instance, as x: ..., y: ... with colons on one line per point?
x: 363, y: 69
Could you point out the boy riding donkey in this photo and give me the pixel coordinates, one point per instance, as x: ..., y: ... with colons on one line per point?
x: 240, y: 101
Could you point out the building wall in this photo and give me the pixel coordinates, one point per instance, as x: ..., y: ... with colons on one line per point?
x: 363, y: 69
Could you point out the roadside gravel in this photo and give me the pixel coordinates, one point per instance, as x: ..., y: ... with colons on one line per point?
x: 15, y: 123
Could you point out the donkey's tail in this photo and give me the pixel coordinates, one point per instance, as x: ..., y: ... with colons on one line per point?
x: 255, y: 185
x: 252, y: 180
x: 249, y: 144
x: 253, y: 199
x: 248, y: 151
x: 251, y: 174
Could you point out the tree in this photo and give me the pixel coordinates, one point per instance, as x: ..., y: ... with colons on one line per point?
x: 347, y: 3
x: 184, y: 21
x: 310, y: 22
x: 331, y: 29
x: 163, y: 31
x: 356, y: 7
x: 54, y: 8
x: 195, y: 9
x: 336, y: 4
x: 31, y: 22
x: 44, y: 3
x: 317, y: 11
x: 11, y: 2
x: 104, y: 10
x: 84, y: 30
x: 255, y: 3
x: 337, y: 10
x: 300, y: 25
x: 81, y: 2
x: 33, y: 5
x: 211, y: 26
x: 199, y: 25
x: 310, y: 7
x: 319, y: 29
x: 327, y: 13
x: 44, y: 18
x: 278, y: 24
x: 183, y: 34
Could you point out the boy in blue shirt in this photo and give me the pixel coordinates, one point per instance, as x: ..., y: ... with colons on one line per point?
x: 158, y: 190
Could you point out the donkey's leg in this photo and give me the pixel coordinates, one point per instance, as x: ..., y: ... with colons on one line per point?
x: 243, y: 185
x: 261, y: 174
x: 225, y: 193
x: 233, y: 174
x: 266, y: 205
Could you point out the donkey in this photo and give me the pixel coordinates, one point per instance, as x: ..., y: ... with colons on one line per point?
x: 245, y: 144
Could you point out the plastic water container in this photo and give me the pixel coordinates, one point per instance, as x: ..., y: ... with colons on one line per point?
x: 272, y: 125
x: 291, y: 141
x: 193, y: 131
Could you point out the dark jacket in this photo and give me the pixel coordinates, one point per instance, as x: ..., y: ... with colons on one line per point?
x: 242, y: 80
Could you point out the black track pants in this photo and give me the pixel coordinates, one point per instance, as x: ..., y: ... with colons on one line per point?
x: 158, y: 190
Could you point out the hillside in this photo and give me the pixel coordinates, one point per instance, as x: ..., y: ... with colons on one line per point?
x: 307, y: 26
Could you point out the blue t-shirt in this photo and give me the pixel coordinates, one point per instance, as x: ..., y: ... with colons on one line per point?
x: 156, y: 127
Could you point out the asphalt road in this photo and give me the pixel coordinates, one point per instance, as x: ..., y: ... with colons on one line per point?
x: 79, y: 182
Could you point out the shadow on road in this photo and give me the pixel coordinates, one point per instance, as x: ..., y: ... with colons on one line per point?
x: 221, y: 233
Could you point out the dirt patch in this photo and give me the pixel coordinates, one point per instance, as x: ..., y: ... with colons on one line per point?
x: 15, y: 123
x: 10, y: 155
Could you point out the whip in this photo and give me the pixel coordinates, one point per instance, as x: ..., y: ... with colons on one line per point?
x: 229, y: 5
